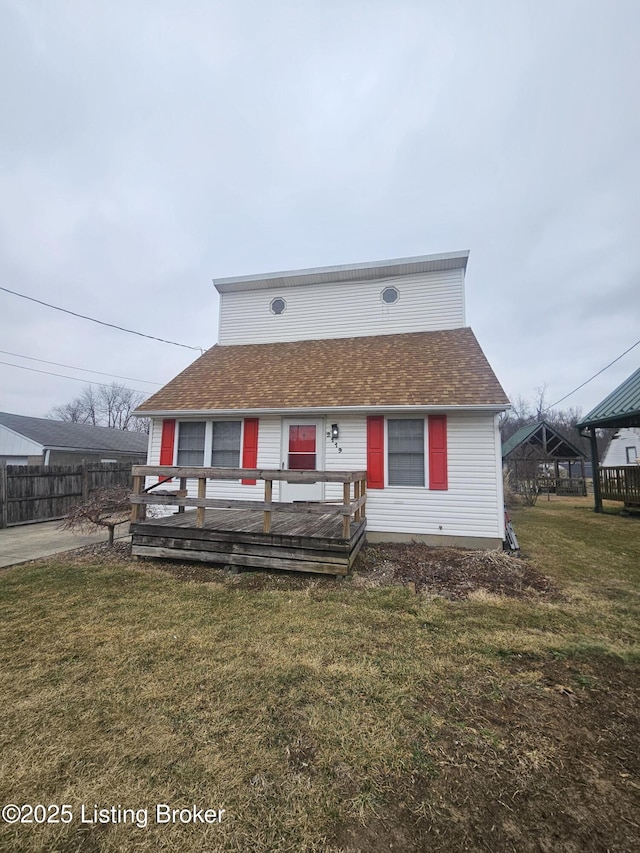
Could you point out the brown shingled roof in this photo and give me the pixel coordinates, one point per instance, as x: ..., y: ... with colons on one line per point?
x: 445, y: 368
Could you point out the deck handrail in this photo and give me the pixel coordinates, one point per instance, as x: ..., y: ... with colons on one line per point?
x: 620, y: 483
x: 348, y: 508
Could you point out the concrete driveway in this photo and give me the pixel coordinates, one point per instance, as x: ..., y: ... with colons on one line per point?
x: 32, y: 541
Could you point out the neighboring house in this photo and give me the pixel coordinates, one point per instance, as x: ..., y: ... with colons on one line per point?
x: 40, y: 441
x: 368, y: 366
x: 623, y: 449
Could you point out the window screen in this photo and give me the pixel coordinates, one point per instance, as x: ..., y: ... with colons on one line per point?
x: 225, y: 444
x: 406, y: 452
x: 191, y: 443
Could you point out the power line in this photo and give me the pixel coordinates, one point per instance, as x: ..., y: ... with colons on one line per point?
x: 73, y: 367
x: 633, y: 346
x: 100, y: 322
x: 62, y: 376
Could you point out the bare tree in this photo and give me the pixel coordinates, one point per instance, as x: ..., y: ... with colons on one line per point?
x: 108, y: 405
x: 104, y: 508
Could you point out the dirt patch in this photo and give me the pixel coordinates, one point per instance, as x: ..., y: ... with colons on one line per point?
x: 452, y: 573
x: 546, y: 766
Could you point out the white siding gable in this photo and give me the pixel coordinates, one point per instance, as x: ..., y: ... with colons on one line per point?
x: 624, y: 444
x: 14, y: 444
x: 427, y: 302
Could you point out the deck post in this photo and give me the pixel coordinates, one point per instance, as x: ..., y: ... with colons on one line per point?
x: 356, y: 495
x: 202, y: 493
x: 268, y: 494
x: 595, y: 468
x: 183, y: 488
x: 363, y: 493
x: 135, y: 508
x: 346, y: 519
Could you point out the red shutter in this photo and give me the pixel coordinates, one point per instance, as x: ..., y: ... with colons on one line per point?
x: 166, y: 446
x: 250, y: 447
x: 438, y: 452
x: 167, y: 442
x: 375, y: 452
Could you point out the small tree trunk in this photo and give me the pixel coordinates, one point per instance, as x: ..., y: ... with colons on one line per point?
x: 112, y: 528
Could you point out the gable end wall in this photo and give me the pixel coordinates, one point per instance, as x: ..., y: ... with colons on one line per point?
x: 427, y: 302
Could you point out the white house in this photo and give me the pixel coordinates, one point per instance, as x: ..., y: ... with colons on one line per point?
x: 623, y: 449
x: 367, y: 366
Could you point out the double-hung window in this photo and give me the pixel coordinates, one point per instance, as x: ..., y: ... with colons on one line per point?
x: 405, y: 451
x: 191, y: 436
x: 225, y: 444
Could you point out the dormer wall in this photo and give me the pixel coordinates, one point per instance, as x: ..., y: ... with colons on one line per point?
x: 428, y: 301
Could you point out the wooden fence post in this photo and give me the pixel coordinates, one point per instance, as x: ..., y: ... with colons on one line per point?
x: 4, y: 494
x: 85, y: 481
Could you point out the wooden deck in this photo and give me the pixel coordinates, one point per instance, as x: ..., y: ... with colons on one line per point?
x: 297, y: 541
x: 621, y: 484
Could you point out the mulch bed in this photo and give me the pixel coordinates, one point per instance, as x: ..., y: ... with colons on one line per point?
x: 452, y: 573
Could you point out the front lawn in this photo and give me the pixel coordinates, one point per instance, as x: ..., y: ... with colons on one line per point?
x: 328, y: 716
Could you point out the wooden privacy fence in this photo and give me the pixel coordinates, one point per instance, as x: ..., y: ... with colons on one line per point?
x: 621, y: 484
x: 352, y: 506
x: 45, y: 492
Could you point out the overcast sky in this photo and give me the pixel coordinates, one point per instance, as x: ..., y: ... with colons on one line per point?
x: 148, y: 147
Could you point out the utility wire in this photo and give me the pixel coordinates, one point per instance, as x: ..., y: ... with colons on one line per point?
x: 606, y: 367
x: 100, y: 322
x: 62, y: 376
x: 73, y: 367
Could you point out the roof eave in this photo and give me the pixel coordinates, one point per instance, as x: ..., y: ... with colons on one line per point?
x: 493, y: 408
x: 346, y: 272
x: 620, y: 420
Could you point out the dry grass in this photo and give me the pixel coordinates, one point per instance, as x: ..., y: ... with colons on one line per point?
x: 329, y: 716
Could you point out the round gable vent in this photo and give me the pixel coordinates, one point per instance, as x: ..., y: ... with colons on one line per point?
x: 278, y: 305
x: 390, y: 295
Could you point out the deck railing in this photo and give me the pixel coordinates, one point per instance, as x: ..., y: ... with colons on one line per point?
x: 621, y: 484
x: 351, y: 507
x: 563, y: 486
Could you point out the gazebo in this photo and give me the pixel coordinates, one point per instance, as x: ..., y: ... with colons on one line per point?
x: 534, y: 453
x: 620, y: 409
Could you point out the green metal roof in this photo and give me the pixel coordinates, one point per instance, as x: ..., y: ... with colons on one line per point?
x: 621, y: 408
x: 519, y: 437
x: 543, y: 435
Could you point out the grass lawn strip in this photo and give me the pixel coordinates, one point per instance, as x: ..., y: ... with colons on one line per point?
x: 333, y: 716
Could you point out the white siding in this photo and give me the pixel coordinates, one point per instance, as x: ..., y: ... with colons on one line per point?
x: 427, y: 302
x: 268, y: 457
x: 14, y: 444
x: 616, y: 453
x: 471, y: 507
